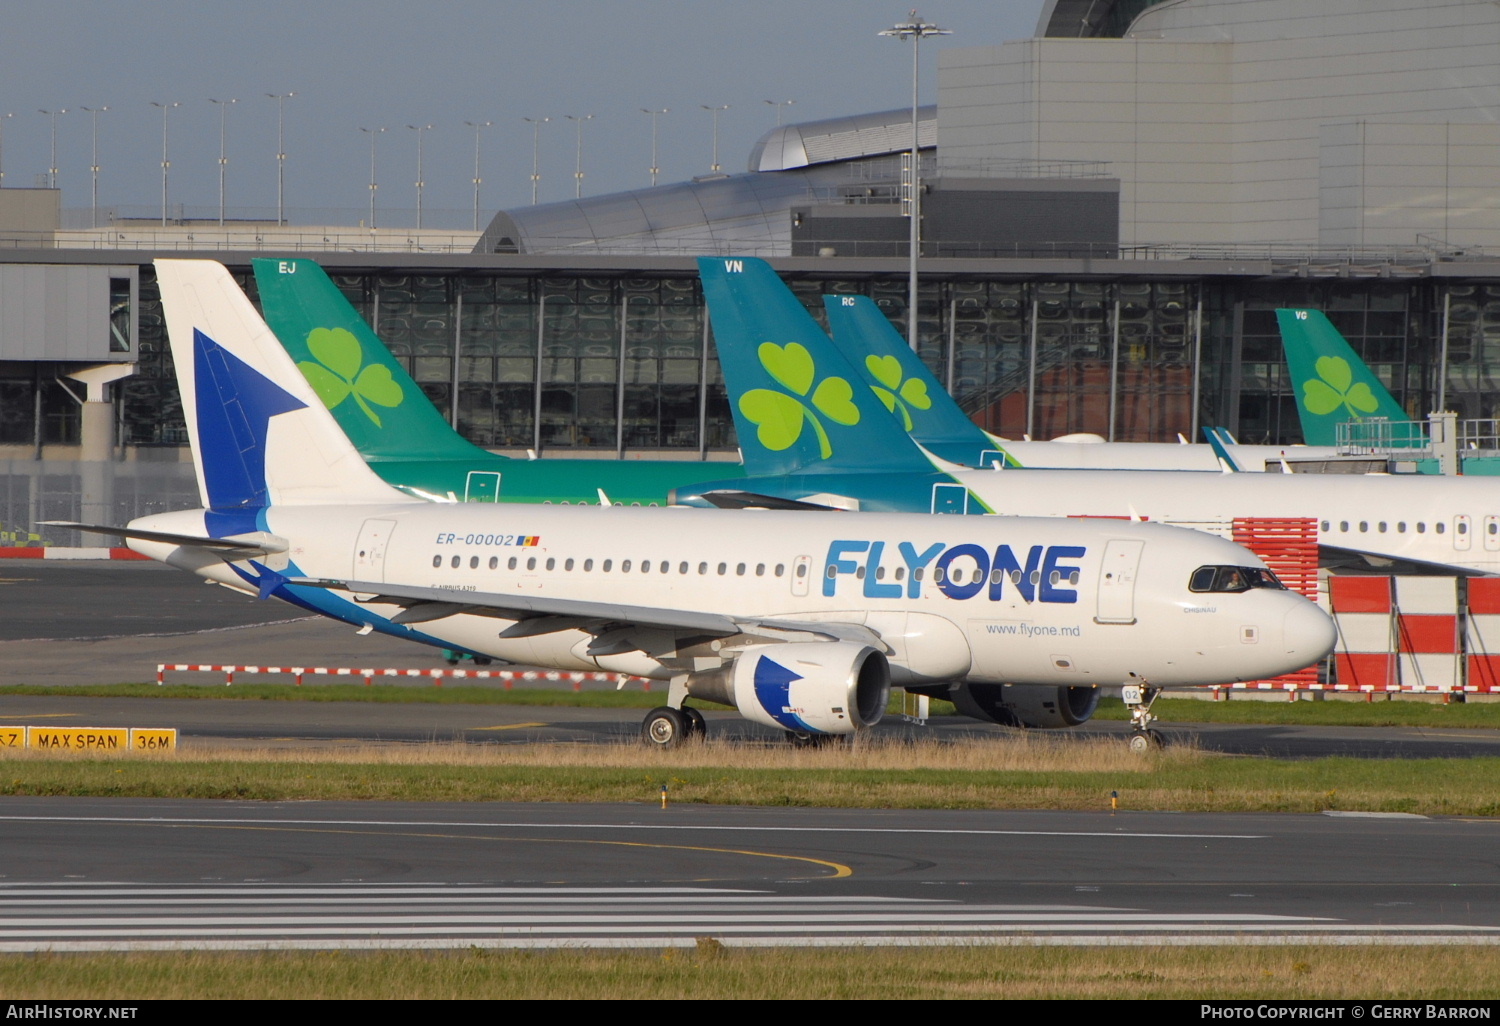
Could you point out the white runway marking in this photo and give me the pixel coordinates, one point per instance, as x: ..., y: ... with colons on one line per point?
x: 90, y: 917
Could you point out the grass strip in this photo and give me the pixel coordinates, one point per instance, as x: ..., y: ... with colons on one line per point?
x: 1024, y: 774
x: 1409, y: 711
x: 712, y: 970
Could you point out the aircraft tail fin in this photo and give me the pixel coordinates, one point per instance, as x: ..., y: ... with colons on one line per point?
x: 796, y: 401
x: 905, y: 386
x: 260, y: 437
x: 1333, y: 384
x: 369, y: 392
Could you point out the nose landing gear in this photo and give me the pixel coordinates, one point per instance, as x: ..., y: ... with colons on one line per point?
x: 1138, y: 699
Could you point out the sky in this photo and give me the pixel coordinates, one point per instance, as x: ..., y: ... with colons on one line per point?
x: 392, y: 64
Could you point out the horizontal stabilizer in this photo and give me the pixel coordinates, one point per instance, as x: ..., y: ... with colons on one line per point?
x: 243, y: 546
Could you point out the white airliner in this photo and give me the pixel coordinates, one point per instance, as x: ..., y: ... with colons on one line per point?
x: 801, y: 621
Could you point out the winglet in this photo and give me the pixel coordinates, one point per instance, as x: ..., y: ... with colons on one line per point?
x: 1221, y: 450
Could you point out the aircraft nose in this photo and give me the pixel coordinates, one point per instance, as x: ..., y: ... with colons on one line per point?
x: 1308, y: 632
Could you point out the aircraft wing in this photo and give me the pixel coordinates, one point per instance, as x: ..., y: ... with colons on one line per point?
x: 729, y: 499
x: 432, y: 603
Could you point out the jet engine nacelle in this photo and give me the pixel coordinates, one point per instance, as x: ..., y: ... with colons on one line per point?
x: 1023, y: 705
x: 819, y: 687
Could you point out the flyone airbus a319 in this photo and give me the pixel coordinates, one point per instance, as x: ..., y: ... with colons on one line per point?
x: 800, y: 621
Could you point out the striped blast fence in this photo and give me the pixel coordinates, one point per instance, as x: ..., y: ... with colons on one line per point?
x: 1427, y: 634
x: 1289, y: 546
x: 1482, y: 635
x: 1364, y: 658
x: 369, y: 674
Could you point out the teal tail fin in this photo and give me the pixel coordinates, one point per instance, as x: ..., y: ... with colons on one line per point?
x: 1333, y: 384
x: 370, y: 394
x: 796, y: 401
x: 904, y: 385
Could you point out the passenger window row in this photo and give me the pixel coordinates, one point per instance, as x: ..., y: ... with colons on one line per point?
x: 645, y: 566
x: 1400, y: 526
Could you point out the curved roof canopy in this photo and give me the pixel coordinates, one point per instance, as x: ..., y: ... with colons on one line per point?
x: 847, y: 138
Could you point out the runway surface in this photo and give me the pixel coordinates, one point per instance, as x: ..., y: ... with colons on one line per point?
x: 186, y: 874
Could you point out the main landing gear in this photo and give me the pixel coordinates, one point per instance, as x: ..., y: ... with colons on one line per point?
x: 1138, y: 699
x: 665, y: 727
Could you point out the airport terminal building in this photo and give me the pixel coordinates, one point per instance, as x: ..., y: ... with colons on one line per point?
x: 1112, y: 211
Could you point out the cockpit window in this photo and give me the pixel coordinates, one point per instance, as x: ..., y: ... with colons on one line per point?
x: 1232, y: 578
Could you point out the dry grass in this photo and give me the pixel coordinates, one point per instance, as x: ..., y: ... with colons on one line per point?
x: 714, y: 971
x: 1022, y: 772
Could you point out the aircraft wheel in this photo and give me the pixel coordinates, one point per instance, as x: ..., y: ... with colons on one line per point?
x: 664, y: 727
x: 697, y: 726
x: 482, y: 660
x: 797, y: 739
x: 1143, y: 741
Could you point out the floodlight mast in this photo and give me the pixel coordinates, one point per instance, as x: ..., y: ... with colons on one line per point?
x: 536, y: 151
x: 419, y: 129
x: 578, y: 158
x: 477, y: 126
x: 655, y: 169
x: 374, y: 133
x: 52, y: 170
x: 94, y: 113
x: 166, y: 163
x: 223, y: 106
x: 915, y: 29
x: 280, y: 99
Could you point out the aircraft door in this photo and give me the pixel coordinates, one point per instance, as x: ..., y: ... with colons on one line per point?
x: 1492, y: 533
x: 1122, y: 560
x: 1463, y: 535
x: 482, y: 486
x: 950, y: 498
x: 369, y: 549
x: 801, y: 575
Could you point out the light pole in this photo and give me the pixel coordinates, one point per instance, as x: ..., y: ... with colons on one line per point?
x: 2, y: 147
x: 477, y: 125
x: 94, y: 113
x: 165, y: 163
x: 52, y: 170
x: 374, y: 134
x: 715, y: 111
x: 280, y: 99
x: 578, y: 159
x: 536, y: 149
x: 223, y: 106
x: 654, y: 169
x: 419, y: 129
x: 916, y: 30
x: 778, y: 104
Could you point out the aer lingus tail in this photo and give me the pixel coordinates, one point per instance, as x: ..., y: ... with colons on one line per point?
x: 902, y: 382
x: 404, y: 438
x: 1333, y: 384
x: 797, y: 402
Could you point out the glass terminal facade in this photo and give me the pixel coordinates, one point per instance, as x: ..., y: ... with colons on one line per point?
x: 624, y: 362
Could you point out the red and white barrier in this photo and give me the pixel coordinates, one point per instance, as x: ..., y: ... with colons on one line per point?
x: 1482, y: 635
x: 1427, y: 634
x: 64, y: 552
x: 1364, y: 657
x: 1289, y: 546
x: 369, y: 675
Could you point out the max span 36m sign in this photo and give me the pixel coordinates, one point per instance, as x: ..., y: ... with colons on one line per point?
x: 91, y: 739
